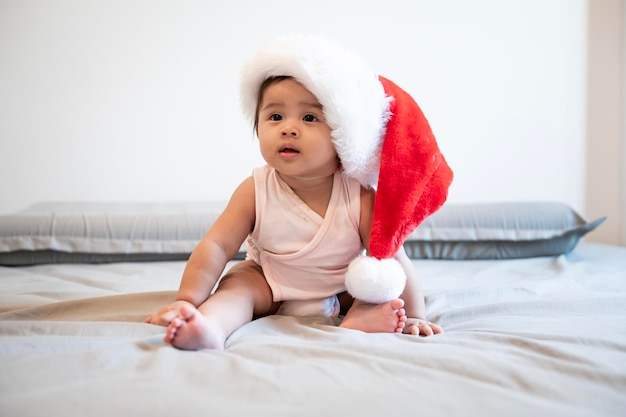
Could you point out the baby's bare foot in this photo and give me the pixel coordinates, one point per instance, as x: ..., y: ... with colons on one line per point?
x: 388, y: 317
x: 192, y: 331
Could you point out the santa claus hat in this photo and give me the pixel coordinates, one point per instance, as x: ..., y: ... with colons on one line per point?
x: 383, y: 141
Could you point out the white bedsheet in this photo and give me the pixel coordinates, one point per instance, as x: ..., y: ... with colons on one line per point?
x: 528, y: 337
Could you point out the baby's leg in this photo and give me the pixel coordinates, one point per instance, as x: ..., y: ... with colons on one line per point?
x: 388, y: 317
x: 242, y: 295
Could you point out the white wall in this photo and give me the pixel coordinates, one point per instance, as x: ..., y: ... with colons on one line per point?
x: 137, y: 100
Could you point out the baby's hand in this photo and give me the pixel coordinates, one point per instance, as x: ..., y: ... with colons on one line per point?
x: 419, y: 327
x: 164, y: 316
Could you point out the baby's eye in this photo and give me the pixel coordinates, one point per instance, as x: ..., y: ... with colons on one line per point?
x: 276, y: 117
x: 309, y: 118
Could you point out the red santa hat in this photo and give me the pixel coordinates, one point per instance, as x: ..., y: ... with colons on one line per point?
x: 383, y: 141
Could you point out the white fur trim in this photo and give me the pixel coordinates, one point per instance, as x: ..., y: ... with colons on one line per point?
x: 353, y: 98
x: 375, y: 281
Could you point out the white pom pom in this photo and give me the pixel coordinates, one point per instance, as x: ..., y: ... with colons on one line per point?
x: 375, y: 281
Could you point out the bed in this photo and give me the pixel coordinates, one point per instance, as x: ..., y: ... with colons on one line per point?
x: 534, y: 319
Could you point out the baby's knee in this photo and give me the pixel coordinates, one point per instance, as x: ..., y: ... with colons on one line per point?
x: 245, y: 272
x: 248, y: 276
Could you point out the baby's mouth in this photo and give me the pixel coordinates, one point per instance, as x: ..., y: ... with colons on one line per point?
x: 288, y: 150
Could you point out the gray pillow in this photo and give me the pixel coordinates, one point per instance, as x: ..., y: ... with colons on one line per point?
x: 75, y: 232
x: 132, y: 232
x: 499, y: 231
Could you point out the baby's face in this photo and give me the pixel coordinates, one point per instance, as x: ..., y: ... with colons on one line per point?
x: 293, y: 134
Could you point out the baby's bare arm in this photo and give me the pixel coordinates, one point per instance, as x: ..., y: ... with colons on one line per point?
x: 217, y: 247
x: 414, y: 302
x: 413, y: 294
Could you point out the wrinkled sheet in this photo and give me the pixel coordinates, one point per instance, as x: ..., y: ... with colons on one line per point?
x: 527, y: 337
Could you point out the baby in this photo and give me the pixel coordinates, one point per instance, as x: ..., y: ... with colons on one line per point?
x: 304, y: 220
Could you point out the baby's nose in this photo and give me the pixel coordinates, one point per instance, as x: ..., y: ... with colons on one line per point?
x: 290, y: 132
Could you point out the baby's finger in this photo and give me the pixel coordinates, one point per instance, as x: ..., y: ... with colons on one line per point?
x: 162, y: 319
x: 168, y: 316
x: 425, y: 329
x: 436, y: 329
x: 412, y: 328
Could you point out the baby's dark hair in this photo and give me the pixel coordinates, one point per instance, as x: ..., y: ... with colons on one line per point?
x: 269, y: 81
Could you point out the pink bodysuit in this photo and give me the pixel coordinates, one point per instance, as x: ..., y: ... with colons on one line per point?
x: 304, y: 256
